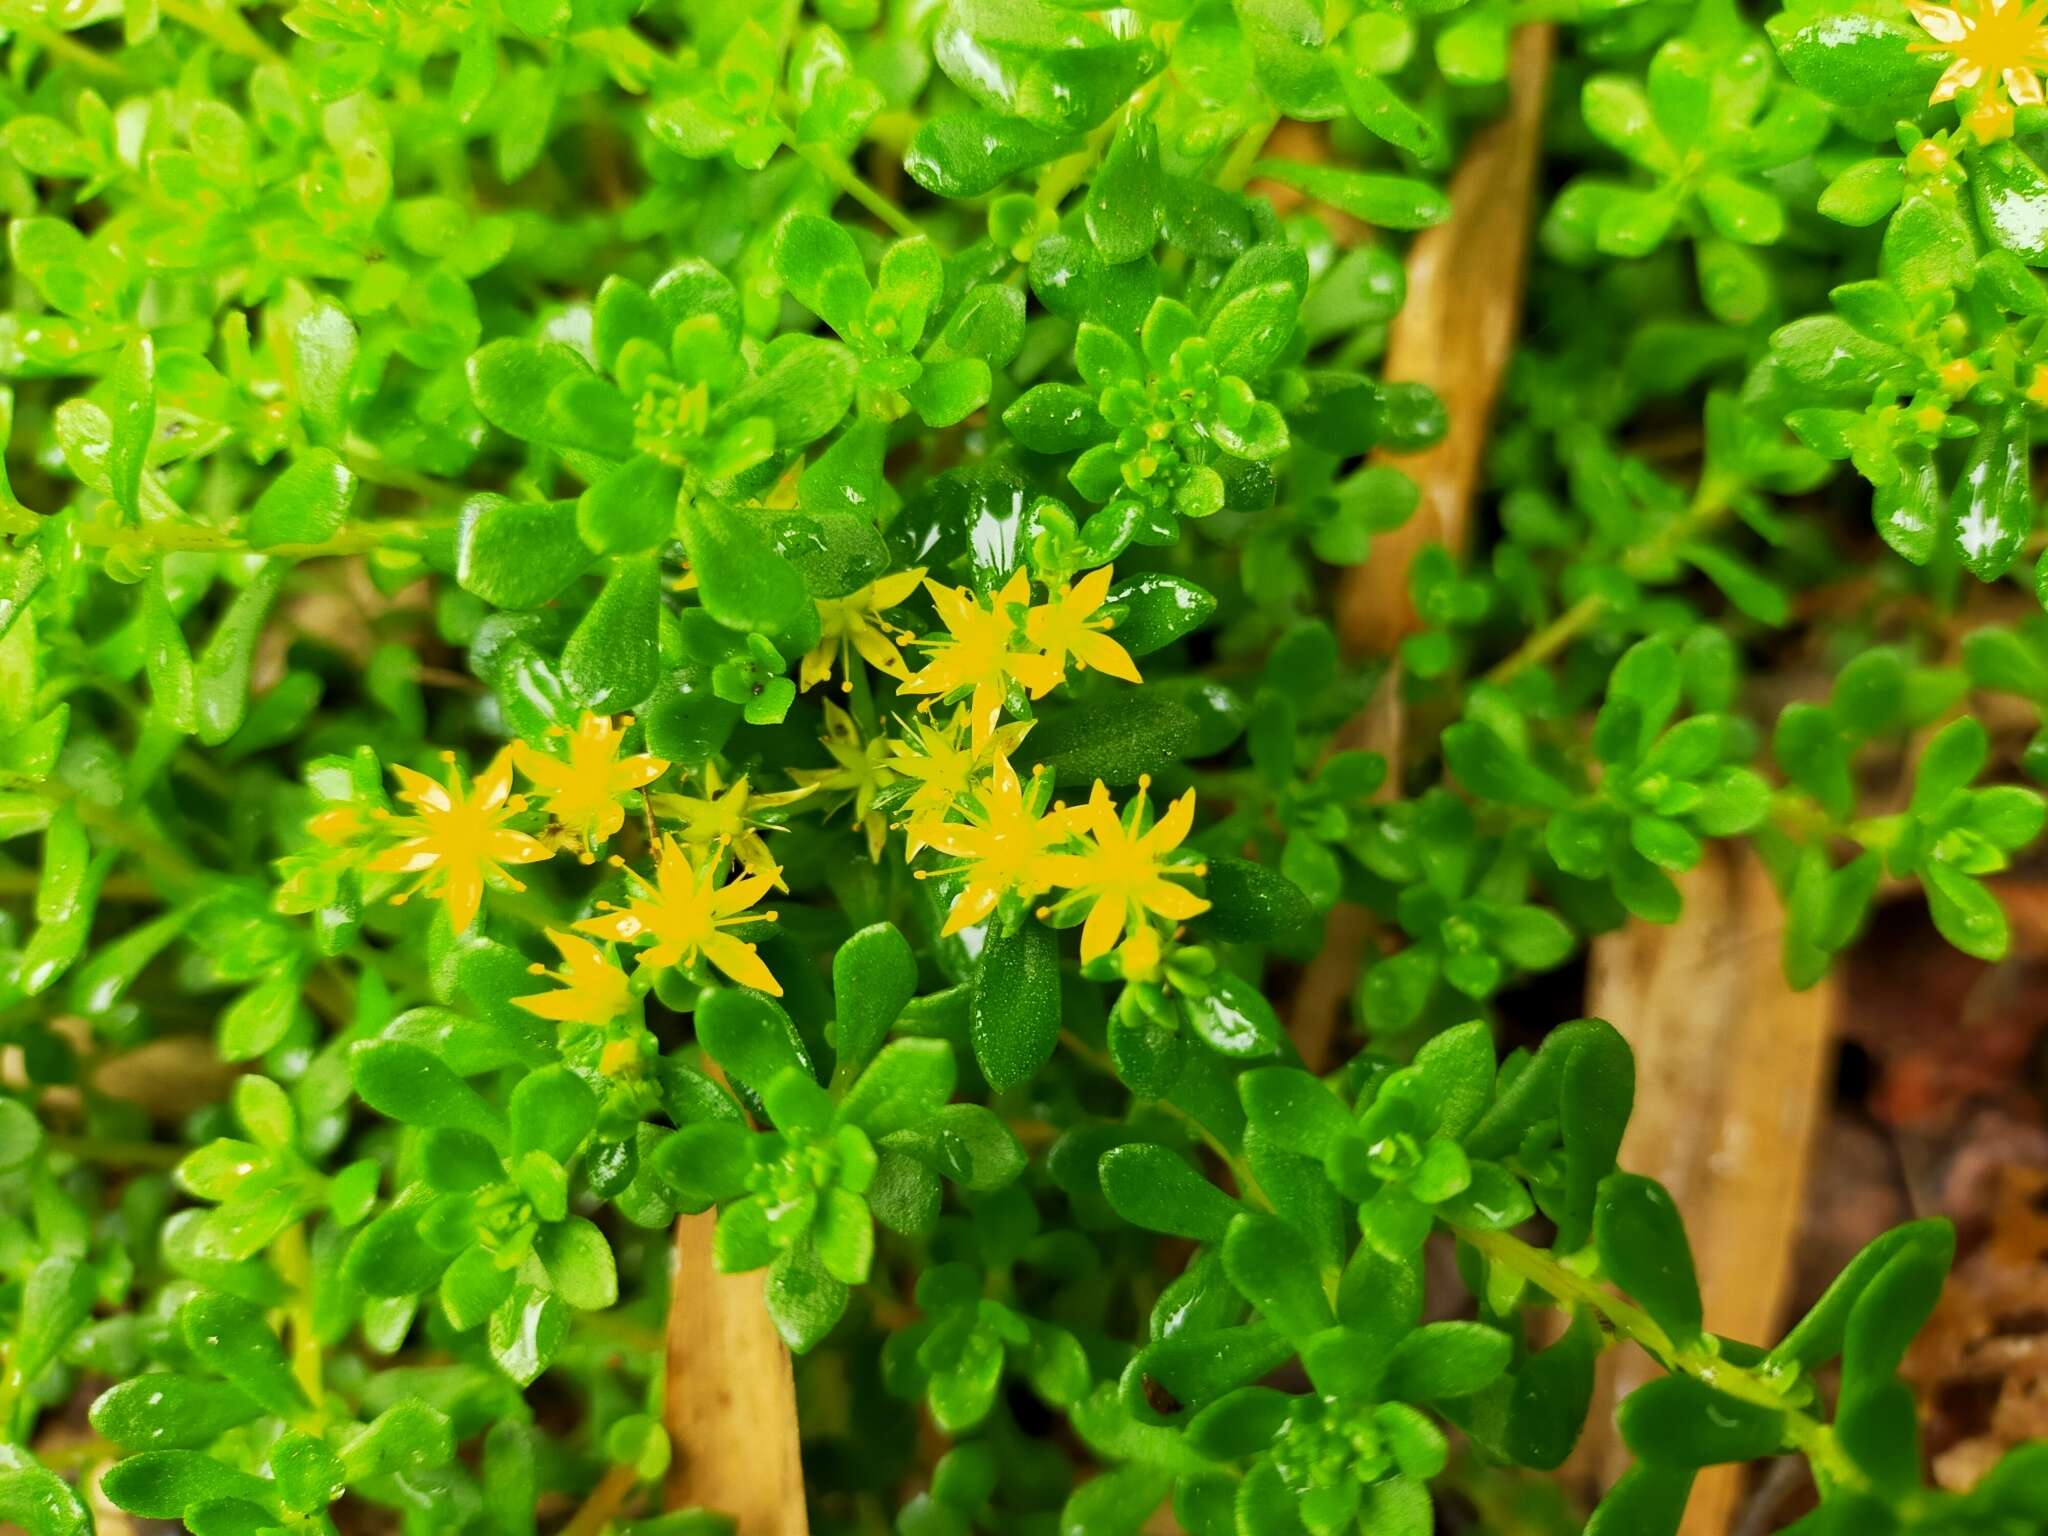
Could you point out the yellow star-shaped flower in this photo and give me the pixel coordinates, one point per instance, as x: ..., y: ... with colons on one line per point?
x: 1123, y: 874
x: 980, y: 652
x: 861, y: 770
x: 1996, y: 43
x: 683, y: 912
x: 1070, y: 626
x: 944, y: 765
x: 592, y: 990
x: 854, y: 623
x: 456, y: 838
x: 582, y: 790
x: 1003, y: 845
x: 730, y: 817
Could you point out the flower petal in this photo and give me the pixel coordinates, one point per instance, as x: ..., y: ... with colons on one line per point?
x: 560, y: 1005
x: 462, y: 888
x: 879, y: 651
x: 1170, y: 829
x: 1959, y: 76
x: 1105, y: 655
x: 494, y: 784
x: 1939, y: 22
x: 742, y: 962
x: 970, y: 907
x: 1172, y: 901
x: 619, y: 927
x: 416, y: 788
x: 408, y: 858
x: 1104, y: 927
x: 509, y: 847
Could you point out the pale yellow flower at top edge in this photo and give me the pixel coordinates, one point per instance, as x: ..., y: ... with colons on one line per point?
x: 1121, y: 874
x: 978, y: 652
x: 455, y: 838
x: 582, y: 791
x: 682, y: 913
x: 854, y: 624
x: 1999, y: 43
x: 1001, y: 847
x: 591, y: 990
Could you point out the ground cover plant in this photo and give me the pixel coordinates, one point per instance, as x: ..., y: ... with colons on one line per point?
x: 611, y: 612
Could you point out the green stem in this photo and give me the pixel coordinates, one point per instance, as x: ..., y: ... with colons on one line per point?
x: 164, y: 537
x: 1238, y: 168
x: 1813, y: 1437
x: 294, y: 1264
x: 839, y: 171
x: 12, y: 1396
x: 1062, y: 176
x: 1709, y: 504
x: 74, y: 53
x: 26, y: 882
x: 604, y: 1502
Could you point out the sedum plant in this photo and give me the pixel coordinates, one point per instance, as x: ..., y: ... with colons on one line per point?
x: 615, y: 612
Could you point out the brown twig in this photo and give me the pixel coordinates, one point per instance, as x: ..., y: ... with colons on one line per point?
x: 1732, y: 1068
x: 731, y: 1398
x: 1455, y: 334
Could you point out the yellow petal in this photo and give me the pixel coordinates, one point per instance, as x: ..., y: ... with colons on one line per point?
x: 817, y: 665
x: 1039, y: 674
x: 538, y: 766
x: 1066, y: 870
x: 408, y: 858
x: 986, y: 707
x: 1959, y: 76
x: 1104, y: 927
x: 509, y: 847
x: 1087, y: 593
x: 619, y: 927
x: 742, y: 962
x: 575, y: 951
x: 1173, y: 901
x: 637, y: 772
x: 879, y: 651
x: 745, y: 891
x: 1938, y: 21
x: 1167, y: 832
x: 1105, y: 655
x: 1003, y: 779
x: 463, y: 889
x: 970, y: 907
x: 888, y: 591
x: 494, y: 784
x: 417, y: 789
x: 560, y: 1005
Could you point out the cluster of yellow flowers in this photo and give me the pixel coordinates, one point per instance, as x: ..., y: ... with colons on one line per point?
x: 1005, y: 835
x: 987, y: 645
x: 456, y: 837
